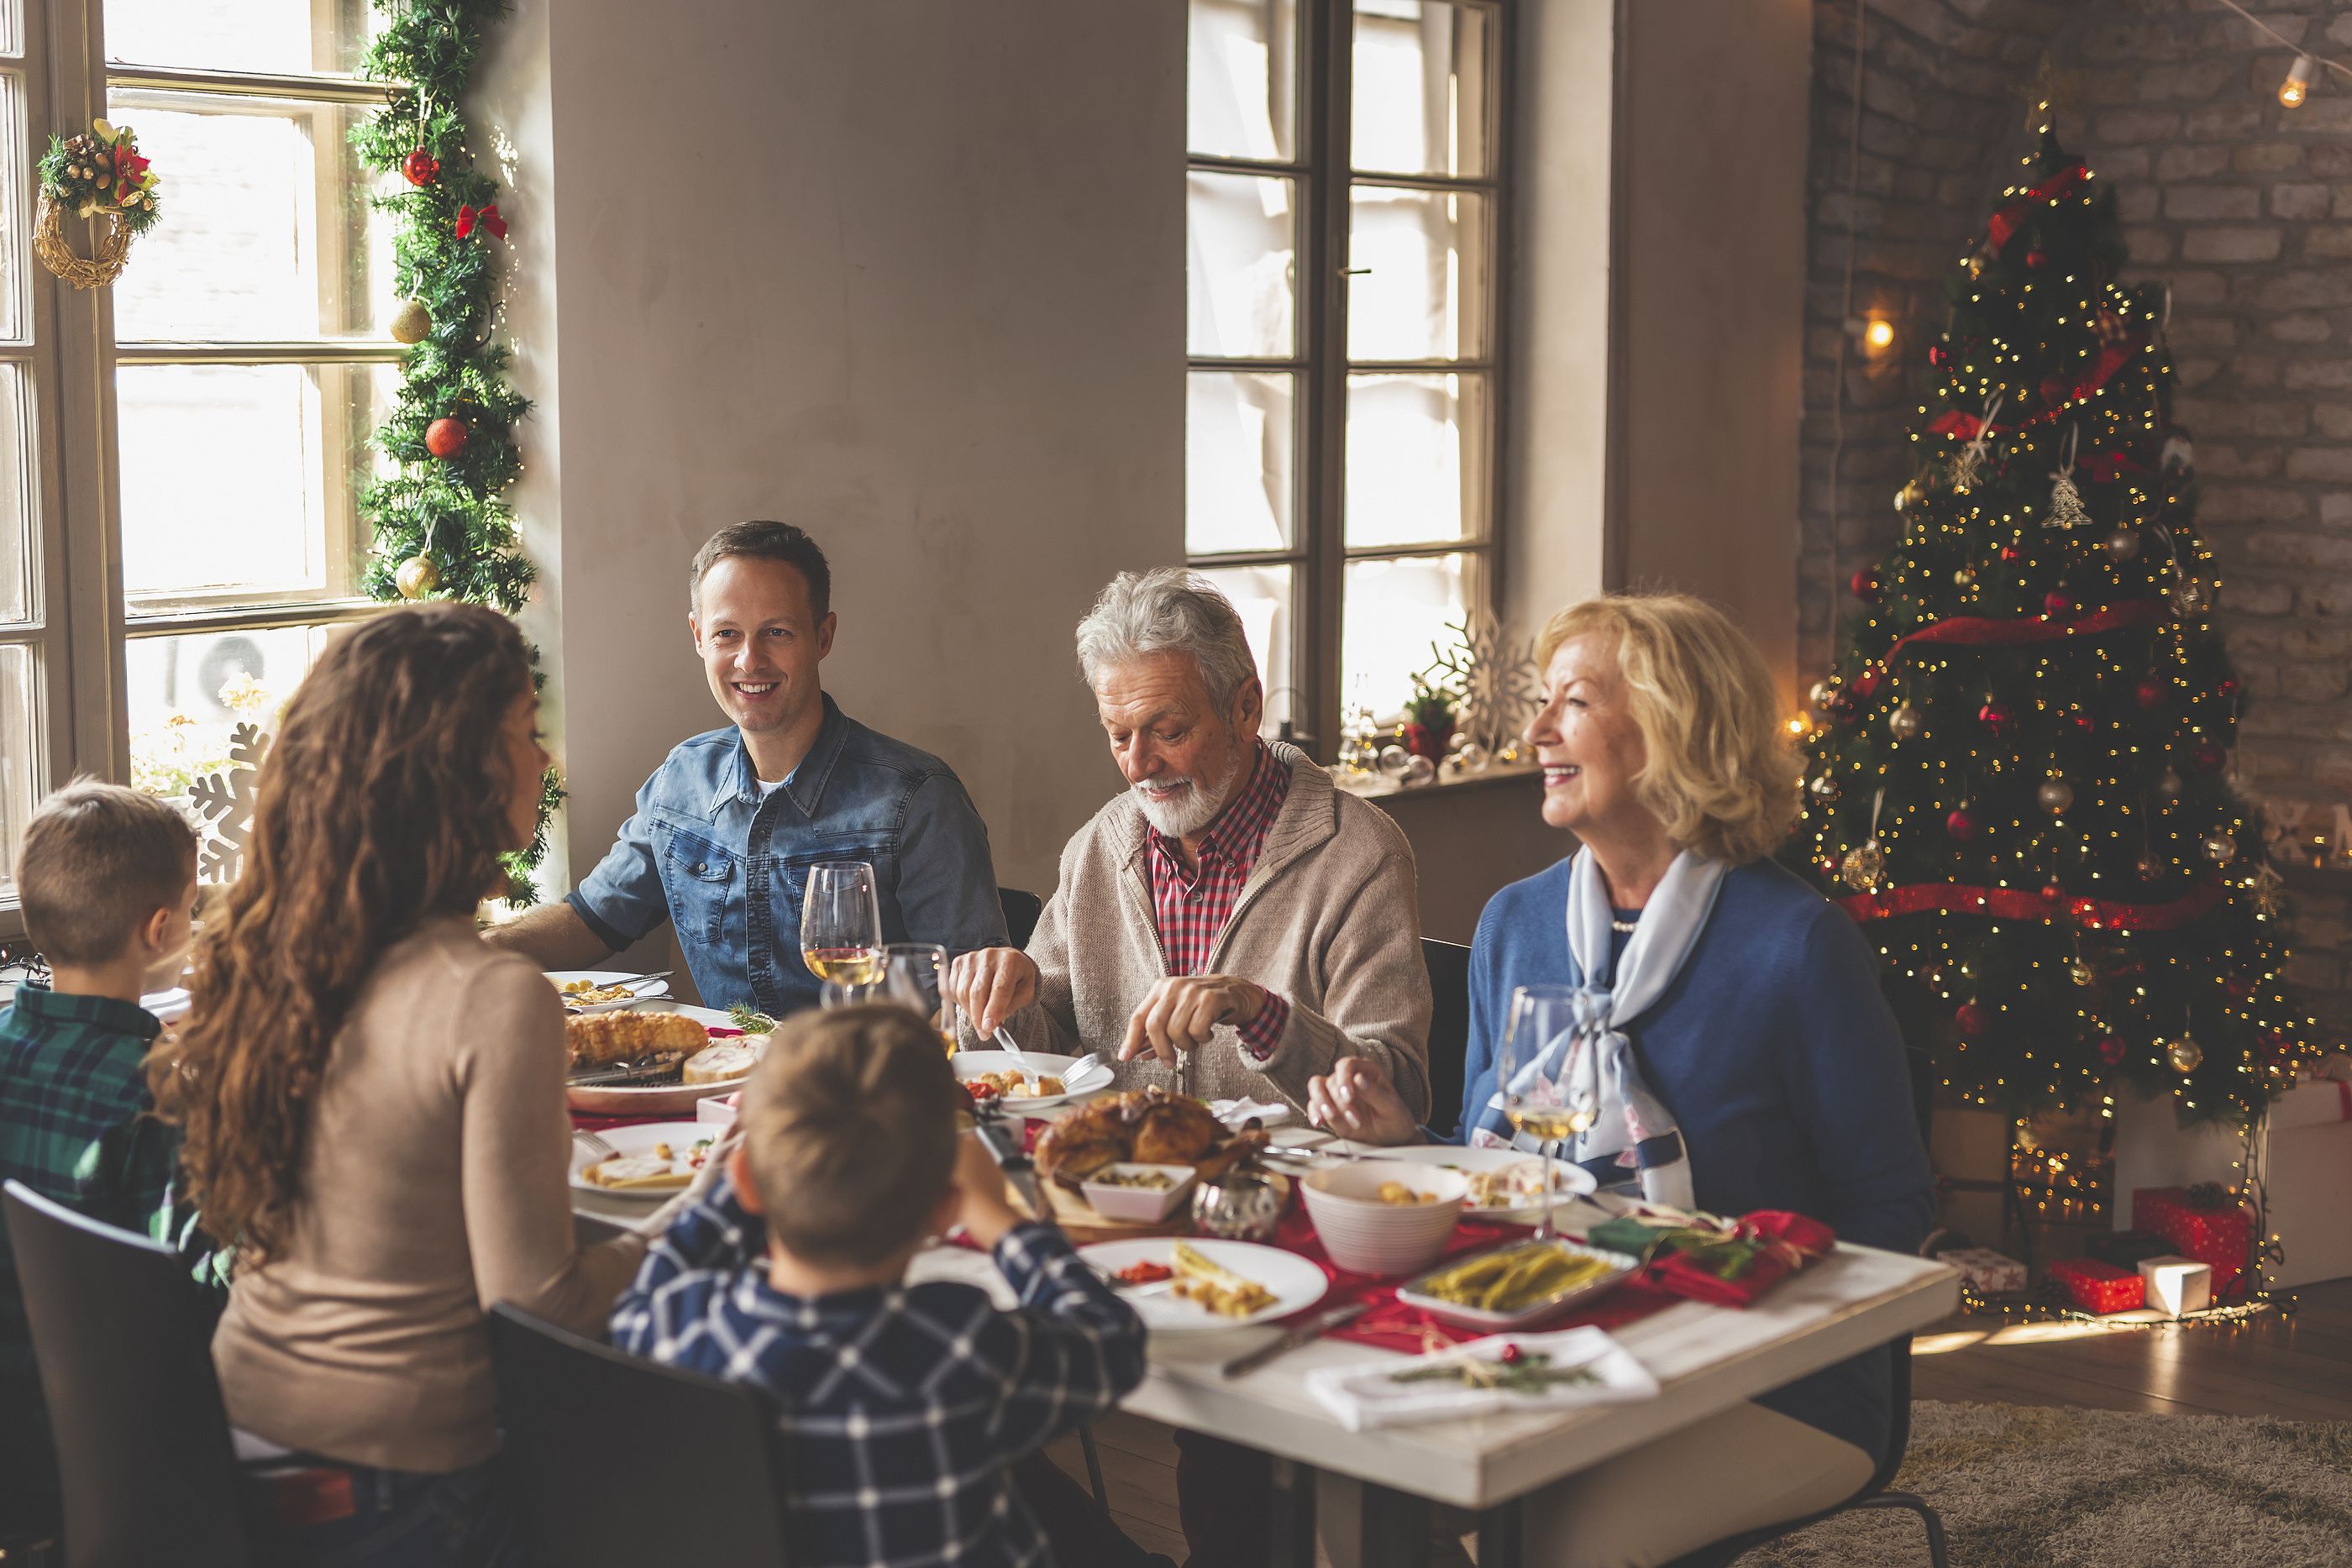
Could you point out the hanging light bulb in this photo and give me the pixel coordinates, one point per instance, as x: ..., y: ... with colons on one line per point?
x: 1874, y: 332
x: 2297, y: 86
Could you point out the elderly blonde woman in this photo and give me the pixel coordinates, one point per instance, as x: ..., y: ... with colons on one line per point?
x: 1760, y: 1068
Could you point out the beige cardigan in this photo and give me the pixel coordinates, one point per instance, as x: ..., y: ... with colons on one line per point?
x: 1330, y: 918
x: 435, y: 1185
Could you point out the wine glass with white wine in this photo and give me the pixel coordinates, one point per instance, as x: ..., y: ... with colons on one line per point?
x: 1546, y: 1093
x: 841, y: 929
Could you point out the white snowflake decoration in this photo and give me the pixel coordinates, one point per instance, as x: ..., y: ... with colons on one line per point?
x: 224, y: 805
x: 1496, y: 675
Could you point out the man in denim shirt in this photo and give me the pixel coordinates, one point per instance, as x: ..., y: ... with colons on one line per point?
x: 726, y: 828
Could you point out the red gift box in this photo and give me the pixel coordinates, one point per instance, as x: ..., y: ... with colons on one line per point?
x: 2206, y: 1224
x: 2099, y: 1287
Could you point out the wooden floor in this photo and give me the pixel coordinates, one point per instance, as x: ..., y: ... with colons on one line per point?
x: 2297, y: 1368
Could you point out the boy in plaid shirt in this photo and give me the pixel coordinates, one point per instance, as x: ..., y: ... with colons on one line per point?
x: 107, y: 877
x: 904, y: 1407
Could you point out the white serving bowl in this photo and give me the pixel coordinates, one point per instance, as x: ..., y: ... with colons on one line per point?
x: 1365, y: 1236
x: 1141, y: 1205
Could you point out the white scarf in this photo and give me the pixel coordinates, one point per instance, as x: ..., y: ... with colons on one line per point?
x: 1633, y: 1128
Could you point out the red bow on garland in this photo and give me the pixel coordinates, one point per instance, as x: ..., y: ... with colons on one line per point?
x: 2010, y: 215
x: 468, y: 215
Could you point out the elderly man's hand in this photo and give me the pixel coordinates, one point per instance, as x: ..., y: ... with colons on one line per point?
x: 1357, y: 1100
x: 1181, y: 1014
x: 989, y: 985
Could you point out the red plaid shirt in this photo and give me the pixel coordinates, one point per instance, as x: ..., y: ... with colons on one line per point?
x: 1192, y: 907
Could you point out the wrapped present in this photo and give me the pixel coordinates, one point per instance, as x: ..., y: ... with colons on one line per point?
x: 1985, y: 1271
x: 2098, y: 1287
x: 2124, y: 1249
x: 2177, y: 1285
x: 2204, y: 1222
x: 2304, y: 1149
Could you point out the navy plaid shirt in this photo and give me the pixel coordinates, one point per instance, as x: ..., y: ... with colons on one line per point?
x: 903, y: 1409
x: 72, y: 1094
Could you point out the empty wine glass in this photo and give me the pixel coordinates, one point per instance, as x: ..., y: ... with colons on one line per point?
x: 841, y: 929
x: 1547, y: 1091
x: 914, y: 975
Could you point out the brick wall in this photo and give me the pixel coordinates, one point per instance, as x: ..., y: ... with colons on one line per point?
x: 2243, y: 207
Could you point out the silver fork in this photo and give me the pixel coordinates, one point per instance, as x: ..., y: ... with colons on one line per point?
x: 1081, y: 1067
x: 594, y: 1147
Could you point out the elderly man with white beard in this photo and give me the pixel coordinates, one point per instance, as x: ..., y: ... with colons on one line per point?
x: 1230, y: 925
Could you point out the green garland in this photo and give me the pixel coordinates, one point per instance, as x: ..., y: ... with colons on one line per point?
x: 439, y: 520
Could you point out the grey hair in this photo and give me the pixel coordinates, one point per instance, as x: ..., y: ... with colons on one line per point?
x: 1168, y: 609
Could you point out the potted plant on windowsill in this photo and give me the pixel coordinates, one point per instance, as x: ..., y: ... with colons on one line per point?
x: 1430, y: 716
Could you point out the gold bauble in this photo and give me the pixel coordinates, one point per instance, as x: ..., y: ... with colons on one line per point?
x: 416, y: 577
x: 2081, y: 973
x: 1906, y: 723
x: 2027, y: 1139
x: 1964, y: 577
x: 412, y: 323
x: 1823, y: 694
x: 2055, y: 796
x: 1824, y: 789
x: 1862, y: 866
x: 2221, y: 848
x: 2122, y: 545
x: 2184, y: 1054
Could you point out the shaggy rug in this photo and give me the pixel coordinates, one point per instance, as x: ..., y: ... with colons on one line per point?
x: 2020, y: 1487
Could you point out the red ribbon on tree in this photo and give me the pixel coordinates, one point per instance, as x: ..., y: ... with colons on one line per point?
x: 2010, y: 216
x: 2061, y: 394
x: 2026, y: 904
x: 1980, y: 631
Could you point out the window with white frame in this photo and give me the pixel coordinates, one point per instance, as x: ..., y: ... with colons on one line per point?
x: 1343, y: 222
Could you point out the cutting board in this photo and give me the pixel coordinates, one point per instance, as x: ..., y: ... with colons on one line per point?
x: 1079, y: 1221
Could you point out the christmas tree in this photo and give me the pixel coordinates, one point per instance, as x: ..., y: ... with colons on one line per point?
x: 2019, y: 782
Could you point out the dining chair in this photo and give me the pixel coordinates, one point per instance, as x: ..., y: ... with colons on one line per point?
x: 616, y: 1461
x: 125, y: 1350
x: 1873, y: 1494
x: 1449, y: 1030
x: 1021, y: 913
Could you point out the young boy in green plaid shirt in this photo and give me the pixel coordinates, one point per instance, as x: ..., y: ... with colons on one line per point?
x: 107, y: 877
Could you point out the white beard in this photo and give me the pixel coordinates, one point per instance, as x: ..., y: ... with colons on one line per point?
x: 1193, y: 810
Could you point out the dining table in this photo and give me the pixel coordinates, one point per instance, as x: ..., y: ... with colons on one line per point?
x: 1366, y: 1496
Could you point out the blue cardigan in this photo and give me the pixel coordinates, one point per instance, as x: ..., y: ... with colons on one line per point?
x: 1782, y: 1065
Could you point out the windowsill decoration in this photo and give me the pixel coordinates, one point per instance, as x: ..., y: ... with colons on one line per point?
x: 99, y: 174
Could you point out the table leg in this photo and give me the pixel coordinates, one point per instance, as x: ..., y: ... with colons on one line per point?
x: 1500, y: 1533
x: 1395, y: 1530
x: 1293, y: 1517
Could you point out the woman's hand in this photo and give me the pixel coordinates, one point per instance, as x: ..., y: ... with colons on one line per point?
x: 1357, y: 1100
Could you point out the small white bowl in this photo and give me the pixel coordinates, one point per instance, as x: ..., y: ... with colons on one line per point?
x: 1140, y: 1205
x: 1365, y: 1236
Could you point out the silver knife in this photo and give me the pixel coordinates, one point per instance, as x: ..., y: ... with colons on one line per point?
x: 1003, y: 1136
x: 1307, y: 1333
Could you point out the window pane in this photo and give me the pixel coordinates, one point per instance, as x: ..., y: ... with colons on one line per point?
x: 1242, y: 88
x: 1419, y: 283
x: 187, y: 694
x: 296, y: 37
x: 16, y: 496
x: 20, y: 729
x: 241, y: 482
x: 1241, y: 273
x: 1393, y: 621
x: 268, y: 236
x: 1239, y: 436
x: 1420, y: 87
x: 1261, y: 595
x: 15, y: 208
x: 1417, y: 459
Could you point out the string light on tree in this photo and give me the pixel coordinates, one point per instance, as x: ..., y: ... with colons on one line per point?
x: 2297, y: 86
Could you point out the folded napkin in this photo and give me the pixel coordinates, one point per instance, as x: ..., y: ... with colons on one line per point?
x: 1233, y: 1113
x: 1505, y: 1372
x: 1723, y: 1262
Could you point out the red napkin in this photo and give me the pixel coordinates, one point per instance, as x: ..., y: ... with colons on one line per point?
x: 1791, y: 1242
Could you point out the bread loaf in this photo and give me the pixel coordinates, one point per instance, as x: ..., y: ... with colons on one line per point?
x: 724, y: 1060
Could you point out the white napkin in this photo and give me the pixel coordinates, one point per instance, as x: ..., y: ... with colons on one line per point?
x: 1365, y: 1393
x: 1233, y: 1113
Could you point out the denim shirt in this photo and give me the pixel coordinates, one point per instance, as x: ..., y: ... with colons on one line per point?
x: 703, y: 850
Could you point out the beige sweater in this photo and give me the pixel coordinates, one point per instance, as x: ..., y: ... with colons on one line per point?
x: 435, y: 1185
x: 1330, y: 918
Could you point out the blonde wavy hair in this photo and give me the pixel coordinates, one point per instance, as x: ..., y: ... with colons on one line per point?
x: 1720, y: 773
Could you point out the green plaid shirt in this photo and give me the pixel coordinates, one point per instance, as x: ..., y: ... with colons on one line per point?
x: 71, y: 1094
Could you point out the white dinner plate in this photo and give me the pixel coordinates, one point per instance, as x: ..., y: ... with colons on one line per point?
x: 1036, y: 1064
x: 656, y: 1099
x: 1568, y: 1180
x: 629, y: 1141
x: 646, y: 992
x: 1296, y: 1283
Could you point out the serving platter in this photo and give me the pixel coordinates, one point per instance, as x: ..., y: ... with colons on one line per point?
x: 656, y: 1099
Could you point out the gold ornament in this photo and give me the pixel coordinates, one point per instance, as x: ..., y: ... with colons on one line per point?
x: 2027, y: 1139
x: 2081, y: 973
x: 1863, y: 865
x: 2056, y: 795
x: 1824, y: 789
x: 1823, y: 694
x: 1964, y: 577
x: 2184, y: 1054
x: 2190, y: 597
x: 412, y: 323
x: 2220, y: 847
x: 1906, y: 723
x: 418, y: 577
x: 2122, y: 546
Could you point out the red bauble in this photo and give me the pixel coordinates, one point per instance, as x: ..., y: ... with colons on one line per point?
x: 1864, y: 584
x: 2208, y: 757
x: 1961, y: 824
x: 2055, y: 603
x: 2112, y: 1051
x: 445, y: 437
x: 2148, y: 693
x: 2085, y: 723
x: 1971, y: 1018
x: 2037, y: 257
x: 2054, y: 892
x: 1939, y: 355
x: 2229, y: 686
x: 421, y: 167
x: 1995, y: 716
x: 2010, y: 552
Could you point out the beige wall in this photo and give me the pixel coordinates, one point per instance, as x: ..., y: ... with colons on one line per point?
x: 906, y: 272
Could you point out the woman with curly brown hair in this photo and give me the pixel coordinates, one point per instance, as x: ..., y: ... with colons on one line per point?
x: 372, y: 1098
